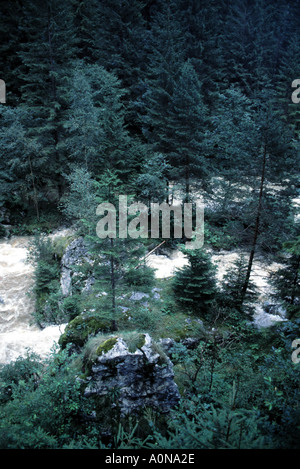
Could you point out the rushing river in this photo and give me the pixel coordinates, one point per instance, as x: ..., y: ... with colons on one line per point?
x: 17, y: 330
x: 166, y: 265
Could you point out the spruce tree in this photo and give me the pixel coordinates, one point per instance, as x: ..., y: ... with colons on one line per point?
x: 250, y: 143
x: 286, y: 280
x: 251, y: 45
x: 21, y: 162
x: 46, y: 56
x: 277, y: 146
x: 165, y: 57
x: 195, y: 284
x: 116, y: 258
x: 232, y: 285
x: 189, y: 122
x: 113, y: 34
x: 96, y: 135
x: 203, y: 26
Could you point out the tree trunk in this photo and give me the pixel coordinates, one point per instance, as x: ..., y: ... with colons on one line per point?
x: 187, y: 179
x: 35, y: 198
x: 60, y: 188
x: 113, y: 286
x: 256, y: 229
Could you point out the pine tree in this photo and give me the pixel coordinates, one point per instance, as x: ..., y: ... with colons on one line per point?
x: 113, y: 35
x: 250, y: 143
x: 195, y: 284
x: 233, y: 282
x: 116, y: 258
x: 277, y: 145
x: 46, y: 58
x: 203, y: 26
x: 286, y: 280
x: 151, y: 184
x: 96, y: 133
x: 21, y: 162
x: 232, y: 143
x: 165, y: 57
x: 10, y: 38
x: 251, y: 44
x: 189, y: 123
x: 80, y: 201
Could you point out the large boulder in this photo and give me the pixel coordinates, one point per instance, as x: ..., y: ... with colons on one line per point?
x: 143, y: 378
x: 75, y: 255
x: 81, y: 328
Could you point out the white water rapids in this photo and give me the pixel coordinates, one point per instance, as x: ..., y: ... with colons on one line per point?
x: 166, y: 265
x: 17, y: 330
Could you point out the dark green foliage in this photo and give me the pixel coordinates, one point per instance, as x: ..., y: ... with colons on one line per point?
x: 25, y: 370
x: 189, y: 122
x: 197, y: 425
x: 46, y: 273
x: 49, y: 412
x: 96, y: 134
x: 157, y: 100
x: 21, y: 162
x: 142, y: 276
x: 195, y: 284
x: 233, y: 282
x: 286, y: 280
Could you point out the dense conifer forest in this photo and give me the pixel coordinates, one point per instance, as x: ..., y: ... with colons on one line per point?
x: 156, y: 101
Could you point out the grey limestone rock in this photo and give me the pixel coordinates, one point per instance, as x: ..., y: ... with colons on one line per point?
x: 75, y: 254
x: 144, y: 378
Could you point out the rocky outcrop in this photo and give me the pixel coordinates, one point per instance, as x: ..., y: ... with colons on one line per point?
x: 75, y: 255
x: 143, y: 378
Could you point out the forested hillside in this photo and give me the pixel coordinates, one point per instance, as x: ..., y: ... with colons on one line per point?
x: 151, y: 102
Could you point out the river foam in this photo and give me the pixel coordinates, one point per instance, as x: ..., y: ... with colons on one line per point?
x: 18, y: 333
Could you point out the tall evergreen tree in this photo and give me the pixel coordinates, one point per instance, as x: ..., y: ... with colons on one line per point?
x: 203, y: 25
x: 165, y: 57
x: 251, y: 144
x: 276, y: 147
x: 189, y: 123
x: 10, y: 38
x: 287, y: 279
x: 21, y: 162
x: 253, y: 38
x: 113, y: 34
x: 116, y: 258
x: 96, y: 133
x: 46, y: 58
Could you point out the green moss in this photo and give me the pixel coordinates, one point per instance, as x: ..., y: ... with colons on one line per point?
x: 81, y: 328
x: 106, y: 346
x: 61, y: 243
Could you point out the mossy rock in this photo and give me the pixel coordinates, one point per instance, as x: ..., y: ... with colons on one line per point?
x: 61, y: 243
x: 106, y: 346
x: 81, y: 328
